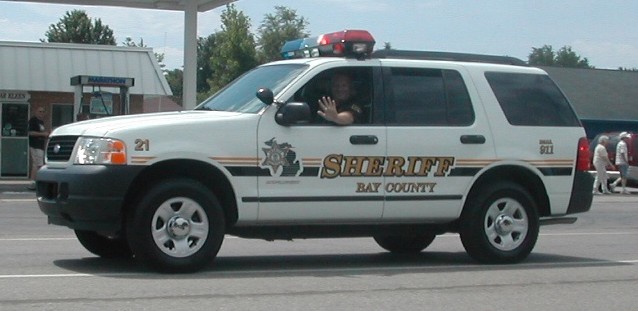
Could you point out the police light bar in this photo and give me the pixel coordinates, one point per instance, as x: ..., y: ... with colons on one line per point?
x: 290, y: 49
x: 347, y: 43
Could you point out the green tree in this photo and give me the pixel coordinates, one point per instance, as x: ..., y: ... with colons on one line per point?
x: 543, y: 56
x: 276, y: 29
x: 564, y: 57
x: 175, y: 79
x: 235, y: 49
x: 77, y: 27
x: 158, y: 56
x: 205, y: 48
x: 130, y: 43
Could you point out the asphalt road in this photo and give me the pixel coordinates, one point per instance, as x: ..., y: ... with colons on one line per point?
x: 590, y: 265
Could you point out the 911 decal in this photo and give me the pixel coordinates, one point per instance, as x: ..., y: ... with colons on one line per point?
x: 546, y: 146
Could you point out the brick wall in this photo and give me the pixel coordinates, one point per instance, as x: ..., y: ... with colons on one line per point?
x: 46, y: 99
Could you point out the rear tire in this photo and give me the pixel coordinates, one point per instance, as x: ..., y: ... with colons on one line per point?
x: 178, y: 226
x: 405, y: 244
x: 499, y: 224
x: 103, y: 246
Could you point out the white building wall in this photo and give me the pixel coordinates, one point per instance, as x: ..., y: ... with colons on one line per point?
x: 50, y: 66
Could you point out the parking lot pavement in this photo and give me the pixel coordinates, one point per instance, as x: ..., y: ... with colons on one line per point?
x: 14, y: 186
x: 618, y: 189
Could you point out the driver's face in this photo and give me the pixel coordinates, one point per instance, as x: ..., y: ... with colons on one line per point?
x: 341, y: 88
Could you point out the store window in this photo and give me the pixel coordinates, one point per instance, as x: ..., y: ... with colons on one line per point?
x: 14, y: 142
x: 61, y: 114
x: 15, y: 119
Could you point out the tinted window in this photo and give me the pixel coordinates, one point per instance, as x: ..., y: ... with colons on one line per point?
x: 432, y: 97
x: 531, y: 99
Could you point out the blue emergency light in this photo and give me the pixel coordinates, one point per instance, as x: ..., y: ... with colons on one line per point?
x: 290, y: 48
x: 347, y: 43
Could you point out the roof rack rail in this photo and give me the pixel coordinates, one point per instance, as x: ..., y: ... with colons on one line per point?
x: 448, y: 56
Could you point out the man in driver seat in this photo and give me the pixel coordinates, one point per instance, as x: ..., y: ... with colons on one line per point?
x: 339, y: 108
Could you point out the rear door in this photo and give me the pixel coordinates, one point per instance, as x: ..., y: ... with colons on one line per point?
x: 537, y: 127
x: 437, y: 140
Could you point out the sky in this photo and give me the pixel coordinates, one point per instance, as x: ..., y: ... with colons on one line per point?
x: 604, y: 32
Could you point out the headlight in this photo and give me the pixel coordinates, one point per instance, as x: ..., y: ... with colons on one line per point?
x: 100, y: 151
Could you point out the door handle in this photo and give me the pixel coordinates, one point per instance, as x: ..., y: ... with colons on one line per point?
x: 472, y: 139
x: 364, y: 139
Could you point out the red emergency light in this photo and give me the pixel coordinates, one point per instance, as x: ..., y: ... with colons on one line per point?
x: 347, y: 43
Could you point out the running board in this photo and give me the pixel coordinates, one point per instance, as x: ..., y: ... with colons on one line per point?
x: 557, y: 221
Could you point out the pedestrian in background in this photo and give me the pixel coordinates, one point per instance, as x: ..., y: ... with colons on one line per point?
x: 37, y: 141
x: 601, y: 162
x: 622, y: 162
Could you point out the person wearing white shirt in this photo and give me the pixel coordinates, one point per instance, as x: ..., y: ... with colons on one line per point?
x: 622, y: 162
x: 601, y: 162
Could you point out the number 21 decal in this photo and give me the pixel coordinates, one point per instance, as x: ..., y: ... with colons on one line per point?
x: 141, y: 144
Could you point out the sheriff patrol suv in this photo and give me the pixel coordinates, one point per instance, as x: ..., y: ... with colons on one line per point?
x: 480, y: 145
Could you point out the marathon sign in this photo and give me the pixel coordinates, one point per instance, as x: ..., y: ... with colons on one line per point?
x: 102, y: 81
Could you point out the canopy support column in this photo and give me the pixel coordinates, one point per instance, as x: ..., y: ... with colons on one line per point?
x: 190, y: 55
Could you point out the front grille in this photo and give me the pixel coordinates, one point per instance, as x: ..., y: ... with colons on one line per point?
x: 60, y: 148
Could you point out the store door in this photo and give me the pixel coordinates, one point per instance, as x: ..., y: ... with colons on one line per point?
x: 14, y: 140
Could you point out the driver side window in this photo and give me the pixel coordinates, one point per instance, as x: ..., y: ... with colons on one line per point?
x: 357, y: 99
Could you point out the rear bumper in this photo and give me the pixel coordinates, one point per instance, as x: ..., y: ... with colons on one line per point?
x: 582, y: 196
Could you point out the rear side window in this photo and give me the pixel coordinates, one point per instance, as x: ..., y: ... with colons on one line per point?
x: 427, y: 97
x: 531, y: 100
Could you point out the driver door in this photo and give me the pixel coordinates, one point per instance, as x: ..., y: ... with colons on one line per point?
x: 316, y: 172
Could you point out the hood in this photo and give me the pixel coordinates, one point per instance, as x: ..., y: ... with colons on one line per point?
x: 108, y: 125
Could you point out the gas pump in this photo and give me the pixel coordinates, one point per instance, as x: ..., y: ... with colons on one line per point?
x: 101, y: 103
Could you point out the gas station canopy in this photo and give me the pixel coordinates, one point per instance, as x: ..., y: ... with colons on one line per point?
x: 172, y: 5
x: 190, y: 9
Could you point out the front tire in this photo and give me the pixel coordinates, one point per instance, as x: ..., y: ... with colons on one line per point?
x: 103, y: 246
x: 178, y: 226
x: 499, y: 224
x: 405, y: 244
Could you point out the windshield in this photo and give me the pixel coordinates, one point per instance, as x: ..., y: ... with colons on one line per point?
x: 240, y: 95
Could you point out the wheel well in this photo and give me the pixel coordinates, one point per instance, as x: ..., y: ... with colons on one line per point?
x: 210, y: 176
x: 521, y: 176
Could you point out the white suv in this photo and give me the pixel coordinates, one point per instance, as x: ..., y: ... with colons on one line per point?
x: 447, y: 143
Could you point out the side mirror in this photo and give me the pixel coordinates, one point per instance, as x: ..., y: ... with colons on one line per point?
x: 293, y: 113
x: 265, y: 95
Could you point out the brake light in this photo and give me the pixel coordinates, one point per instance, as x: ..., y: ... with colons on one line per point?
x: 349, y: 43
x: 582, y: 158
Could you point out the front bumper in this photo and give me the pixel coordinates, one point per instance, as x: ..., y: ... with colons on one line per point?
x: 85, y: 197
